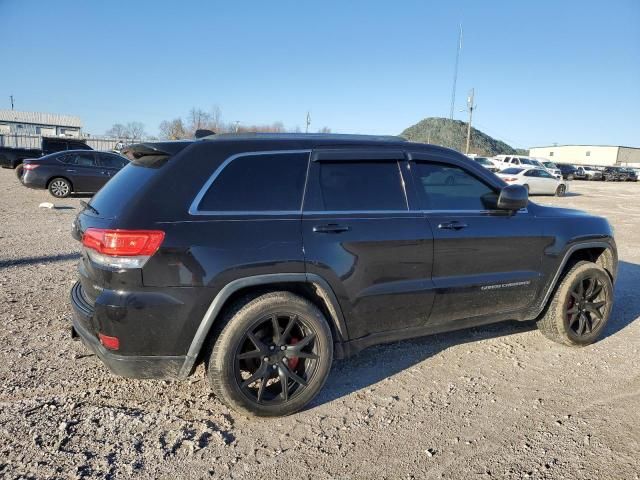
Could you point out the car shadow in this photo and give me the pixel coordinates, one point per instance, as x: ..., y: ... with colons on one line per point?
x: 12, y: 262
x: 81, y: 195
x: 377, y: 363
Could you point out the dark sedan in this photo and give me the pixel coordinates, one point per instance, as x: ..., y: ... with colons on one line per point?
x: 73, y: 171
x: 568, y: 171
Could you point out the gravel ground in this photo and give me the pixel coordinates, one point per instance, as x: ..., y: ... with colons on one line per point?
x: 498, y: 401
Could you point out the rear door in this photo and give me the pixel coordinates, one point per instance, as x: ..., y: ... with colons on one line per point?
x: 485, y: 261
x: 111, y: 164
x: 360, y: 236
x: 84, y: 172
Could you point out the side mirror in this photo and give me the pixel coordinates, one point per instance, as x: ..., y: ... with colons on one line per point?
x: 513, y: 197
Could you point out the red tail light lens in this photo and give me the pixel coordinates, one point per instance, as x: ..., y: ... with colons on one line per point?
x: 112, y: 343
x: 509, y: 179
x: 121, y: 249
x: 123, y: 243
x: 30, y: 166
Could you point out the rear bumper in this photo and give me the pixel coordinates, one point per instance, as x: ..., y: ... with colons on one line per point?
x: 31, y: 179
x: 131, y: 366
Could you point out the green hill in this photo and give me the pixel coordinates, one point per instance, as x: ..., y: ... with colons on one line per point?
x: 453, y: 134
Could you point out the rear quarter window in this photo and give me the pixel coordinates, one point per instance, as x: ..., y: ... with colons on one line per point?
x: 254, y: 183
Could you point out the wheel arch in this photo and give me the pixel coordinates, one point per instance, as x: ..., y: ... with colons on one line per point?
x: 600, y: 253
x: 309, y: 286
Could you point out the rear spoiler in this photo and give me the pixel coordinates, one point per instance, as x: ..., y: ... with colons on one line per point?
x: 153, y: 154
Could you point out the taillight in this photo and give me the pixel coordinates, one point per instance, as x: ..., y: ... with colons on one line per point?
x: 30, y: 166
x: 510, y: 179
x: 112, y: 343
x: 121, y: 248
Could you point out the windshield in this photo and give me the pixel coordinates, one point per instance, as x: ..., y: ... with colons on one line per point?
x: 526, y: 161
x: 512, y: 171
x: 550, y: 165
x: 482, y: 161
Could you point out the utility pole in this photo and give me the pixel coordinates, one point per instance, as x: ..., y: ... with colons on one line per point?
x: 470, y: 107
x: 306, y: 130
x: 455, y: 75
x: 11, y: 96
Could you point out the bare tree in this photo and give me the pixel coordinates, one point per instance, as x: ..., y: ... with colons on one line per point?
x: 173, y: 129
x: 135, y: 130
x: 198, y: 119
x: 324, y: 130
x: 117, y: 131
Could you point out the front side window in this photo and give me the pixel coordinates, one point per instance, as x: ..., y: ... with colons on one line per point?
x: 531, y: 173
x: 356, y: 186
x: 446, y: 187
x: 270, y: 182
x: 545, y: 174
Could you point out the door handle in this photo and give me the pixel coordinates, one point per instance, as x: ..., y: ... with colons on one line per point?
x: 331, y: 228
x: 70, y: 170
x: 452, y: 226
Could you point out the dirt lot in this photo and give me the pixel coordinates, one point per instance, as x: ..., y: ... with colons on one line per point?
x: 499, y: 402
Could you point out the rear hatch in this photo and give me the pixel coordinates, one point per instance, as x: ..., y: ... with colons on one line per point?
x: 119, y: 207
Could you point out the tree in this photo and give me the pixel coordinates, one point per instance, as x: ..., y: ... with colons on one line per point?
x: 198, y: 119
x: 324, y: 130
x: 135, y: 130
x: 117, y: 131
x: 173, y: 129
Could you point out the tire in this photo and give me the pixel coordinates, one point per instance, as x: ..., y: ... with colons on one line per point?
x: 19, y: 170
x: 248, y: 331
x: 566, y: 319
x: 60, y: 187
x: 561, y: 190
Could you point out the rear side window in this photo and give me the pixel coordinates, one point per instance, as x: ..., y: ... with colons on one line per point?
x: 270, y: 182
x: 79, y: 159
x: 512, y: 171
x: 112, y: 161
x: 357, y: 186
x: 445, y: 187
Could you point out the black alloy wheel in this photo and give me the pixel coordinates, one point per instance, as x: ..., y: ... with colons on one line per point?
x: 277, y: 358
x: 585, y: 309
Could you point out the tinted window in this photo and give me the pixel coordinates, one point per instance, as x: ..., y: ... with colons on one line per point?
x: 511, y: 171
x: 357, y: 186
x: 531, y: 173
x: 112, y: 161
x: 445, y: 187
x: 79, y: 159
x: 545, y: 174
x: 272, y: 182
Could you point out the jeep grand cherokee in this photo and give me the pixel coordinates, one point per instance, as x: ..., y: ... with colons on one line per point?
x: 266, y: 256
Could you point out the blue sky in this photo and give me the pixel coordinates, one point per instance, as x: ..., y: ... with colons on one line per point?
x: 544, y: 71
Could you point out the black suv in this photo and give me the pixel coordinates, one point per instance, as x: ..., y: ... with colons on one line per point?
x: 267, y: 256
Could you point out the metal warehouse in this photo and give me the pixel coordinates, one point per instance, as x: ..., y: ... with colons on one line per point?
x: 602, y: 155
x: 36, y: 123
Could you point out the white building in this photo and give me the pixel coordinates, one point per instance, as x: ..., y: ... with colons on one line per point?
x: 589, y: 154
x: 36, y: 123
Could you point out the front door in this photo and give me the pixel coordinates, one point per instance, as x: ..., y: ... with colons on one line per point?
x: 486, y: 261
x: 360, y: 236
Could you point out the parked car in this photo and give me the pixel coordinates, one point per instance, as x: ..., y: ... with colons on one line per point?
x: 535, y: 180
x: 588, y: 173
x: 74, y: 171
x: 486, y: 163
x: 12, y: 157
x: 568, y: 171
x: 613, y: 174
x: 513, y: 160
x: 551, y: 167
x: 632, y: 175
x: 267, y: 256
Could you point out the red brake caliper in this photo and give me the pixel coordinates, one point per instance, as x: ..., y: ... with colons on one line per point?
x: 293, y: 361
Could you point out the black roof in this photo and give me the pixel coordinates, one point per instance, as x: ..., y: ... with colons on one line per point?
x: 283, y: 140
